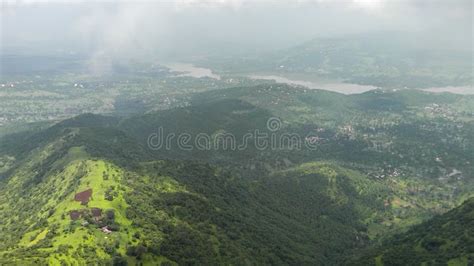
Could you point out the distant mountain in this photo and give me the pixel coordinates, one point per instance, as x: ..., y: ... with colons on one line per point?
x: 445, y: 239
x: 385, y: 59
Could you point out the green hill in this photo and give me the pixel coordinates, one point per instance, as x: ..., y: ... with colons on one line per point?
x: 183, y: 211
x: 90, y: 190
x: 445, y: 239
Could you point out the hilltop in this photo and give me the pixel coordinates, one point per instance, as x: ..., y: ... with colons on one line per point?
x: 91, y: 190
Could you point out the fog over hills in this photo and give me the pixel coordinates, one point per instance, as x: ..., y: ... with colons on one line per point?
x: 176, y: 28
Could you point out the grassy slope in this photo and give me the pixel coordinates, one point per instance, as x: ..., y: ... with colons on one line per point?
x: 54, y: 196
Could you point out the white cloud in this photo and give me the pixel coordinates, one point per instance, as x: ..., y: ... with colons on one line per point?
x: 130, y: 27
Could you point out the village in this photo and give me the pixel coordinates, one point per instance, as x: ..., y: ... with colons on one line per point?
x: 96, y: 217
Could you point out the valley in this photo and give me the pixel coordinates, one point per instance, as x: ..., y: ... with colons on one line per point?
x: 236, y: 133
x: 360, y: 185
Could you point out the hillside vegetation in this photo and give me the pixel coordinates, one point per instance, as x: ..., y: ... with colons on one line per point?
x: 90, y: 190
x: 445, y: 239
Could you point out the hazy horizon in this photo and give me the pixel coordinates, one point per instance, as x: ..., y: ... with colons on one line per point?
x: 140, y: 29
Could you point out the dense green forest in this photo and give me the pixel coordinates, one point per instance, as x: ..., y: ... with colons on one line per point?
x: 90, y: 190
x: 445, y: 239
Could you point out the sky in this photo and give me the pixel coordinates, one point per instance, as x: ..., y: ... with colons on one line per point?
x: 191, y: 27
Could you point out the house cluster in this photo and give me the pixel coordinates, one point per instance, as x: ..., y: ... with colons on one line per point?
x: 439, y: 110
x: 385, y: 173
x: 347, y: 130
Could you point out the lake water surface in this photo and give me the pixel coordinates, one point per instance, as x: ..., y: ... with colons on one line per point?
x: 466, y: 90
x: 190, y: 70
x: 349, y: 88
x: 345, y: 88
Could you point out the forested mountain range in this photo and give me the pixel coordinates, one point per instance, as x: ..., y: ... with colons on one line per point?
x: 91, y: 189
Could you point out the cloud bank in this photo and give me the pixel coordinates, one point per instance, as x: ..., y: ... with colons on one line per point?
x: 133, y: 28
